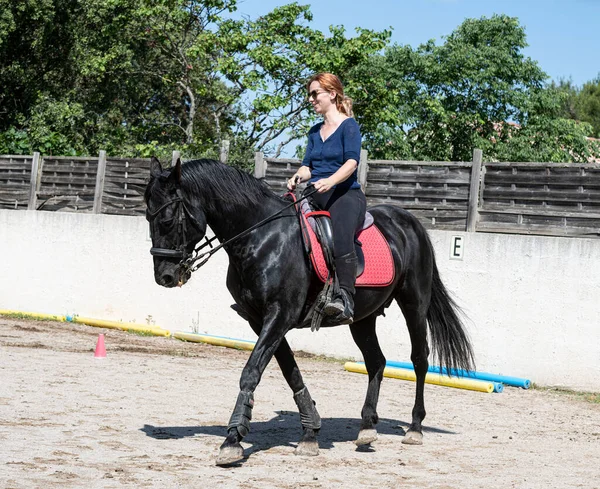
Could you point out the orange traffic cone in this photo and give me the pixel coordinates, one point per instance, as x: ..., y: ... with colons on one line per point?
x: 100, y: 349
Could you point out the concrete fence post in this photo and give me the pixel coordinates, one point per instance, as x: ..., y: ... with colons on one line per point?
x: 224, y: 153
x: 175, y: 157
x: 36, y: 180
x: 472, y: 209
x: 260, y: 165
x: 99, y: 190
x: 363, y: 168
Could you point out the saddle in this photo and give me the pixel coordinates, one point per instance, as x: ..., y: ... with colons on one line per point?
x: 375, y: 261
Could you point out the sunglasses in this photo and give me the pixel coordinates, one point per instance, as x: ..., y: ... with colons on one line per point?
x: 315, y: 93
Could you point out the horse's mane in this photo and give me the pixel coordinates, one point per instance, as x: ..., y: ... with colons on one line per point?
x: 226, y: 186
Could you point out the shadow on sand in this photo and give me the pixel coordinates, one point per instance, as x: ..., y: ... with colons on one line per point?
x: 285, y: 430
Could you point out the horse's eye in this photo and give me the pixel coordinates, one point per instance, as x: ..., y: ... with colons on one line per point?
x: 166, y: 224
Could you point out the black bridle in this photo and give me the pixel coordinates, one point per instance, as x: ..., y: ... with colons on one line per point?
x: 190, y: 262
x: 182, y: 213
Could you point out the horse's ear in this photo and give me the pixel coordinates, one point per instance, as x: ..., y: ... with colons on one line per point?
x: 155, y: 167
x: 177, y: 171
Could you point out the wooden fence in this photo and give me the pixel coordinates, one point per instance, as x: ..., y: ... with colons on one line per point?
x: 556, y: 199
x: 74, y: 184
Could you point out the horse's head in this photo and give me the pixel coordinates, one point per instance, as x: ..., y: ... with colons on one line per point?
x: 177, y: 223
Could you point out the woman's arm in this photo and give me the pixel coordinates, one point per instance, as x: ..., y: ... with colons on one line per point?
x: 339, y: 176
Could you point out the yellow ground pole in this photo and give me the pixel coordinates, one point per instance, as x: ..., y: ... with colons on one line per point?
x: 430, y: 378
x: 139, y: 328
x: 32, y: 315
x: 215, y: 340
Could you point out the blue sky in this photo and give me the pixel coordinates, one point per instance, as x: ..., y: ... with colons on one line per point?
x: 563, y: 35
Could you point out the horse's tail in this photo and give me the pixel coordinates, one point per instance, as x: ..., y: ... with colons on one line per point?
x: 450, y: 343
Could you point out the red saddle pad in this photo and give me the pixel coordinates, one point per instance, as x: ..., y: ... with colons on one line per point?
x: 379, y: 263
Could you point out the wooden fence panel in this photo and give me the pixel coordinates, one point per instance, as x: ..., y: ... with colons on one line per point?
x: 15, y: 181
x: 436, y: 192
x: 124, y: 185
x: 278, y: 171
x: 541, y: 198
x: 556, y: 199
x: 68, y: 184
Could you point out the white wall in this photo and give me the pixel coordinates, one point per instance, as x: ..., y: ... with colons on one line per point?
x: 533, y: 302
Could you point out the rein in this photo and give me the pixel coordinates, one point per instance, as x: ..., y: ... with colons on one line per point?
x: 189, y: 260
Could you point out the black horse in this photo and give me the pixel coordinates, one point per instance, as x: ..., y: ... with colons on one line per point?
x: 271, y: 281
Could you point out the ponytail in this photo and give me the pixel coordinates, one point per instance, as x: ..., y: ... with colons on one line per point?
x: 345, y: 105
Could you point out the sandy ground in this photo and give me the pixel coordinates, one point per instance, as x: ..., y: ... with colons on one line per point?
x: 154, y: 412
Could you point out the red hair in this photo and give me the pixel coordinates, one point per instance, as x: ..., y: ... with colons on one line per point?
x: 332, y: 83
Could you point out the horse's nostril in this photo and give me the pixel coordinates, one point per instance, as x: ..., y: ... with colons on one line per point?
x: 167, y: 280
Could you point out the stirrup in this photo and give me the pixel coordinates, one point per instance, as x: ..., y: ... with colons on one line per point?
x: 340, y: 319
x: 324, y: 298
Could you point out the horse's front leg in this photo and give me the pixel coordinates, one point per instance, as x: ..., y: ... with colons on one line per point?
x: 271, y: 339
x: 231, y: 450
x: 309, y: 417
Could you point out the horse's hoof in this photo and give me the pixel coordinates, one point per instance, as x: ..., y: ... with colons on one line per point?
x: 413, y: 438
x: 365, y: 437
x: 307, y: 448
x: 230, y: 455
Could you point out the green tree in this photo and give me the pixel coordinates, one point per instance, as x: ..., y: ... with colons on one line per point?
x: 271, y: 59
x: 588, y: 105
x: 32, y: 66
x: 582, y: 104
x: 140, y: 76
x: 474, y: 90
x: 543, y: 135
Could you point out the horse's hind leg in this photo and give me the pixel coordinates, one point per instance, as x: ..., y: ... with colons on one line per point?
x: 417, y: 329
x: 363, y: 333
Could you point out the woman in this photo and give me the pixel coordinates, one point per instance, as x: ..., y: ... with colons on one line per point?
x: 330, y: 165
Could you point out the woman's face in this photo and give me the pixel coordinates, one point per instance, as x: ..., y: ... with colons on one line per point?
x: 321, y: 99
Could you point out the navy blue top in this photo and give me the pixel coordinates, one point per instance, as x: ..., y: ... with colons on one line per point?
x: 324, y: 158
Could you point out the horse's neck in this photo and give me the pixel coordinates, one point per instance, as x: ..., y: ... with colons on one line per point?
x: 228, y: 222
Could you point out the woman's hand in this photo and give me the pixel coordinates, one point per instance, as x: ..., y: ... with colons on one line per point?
x: 324, y: 185
x: 302, y: 175
x: 293, y: 182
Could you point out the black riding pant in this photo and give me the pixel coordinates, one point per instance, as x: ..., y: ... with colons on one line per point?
x: 347, y: 208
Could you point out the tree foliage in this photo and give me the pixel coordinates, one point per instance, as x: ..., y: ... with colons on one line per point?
x: 142, y: 77
x: 136, y: 74
x: 476, y: 90
x: 581, y: 104
x: 272, y: 57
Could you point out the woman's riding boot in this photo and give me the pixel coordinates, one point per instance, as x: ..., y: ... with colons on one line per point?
x: 341, y: 307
